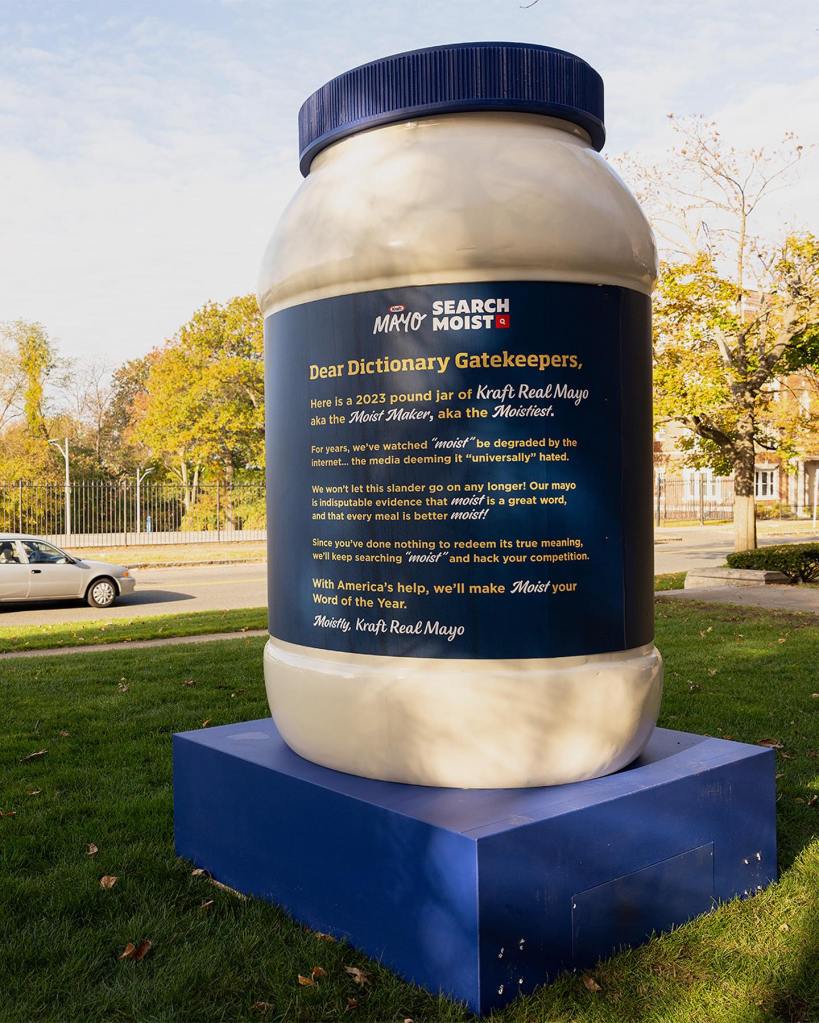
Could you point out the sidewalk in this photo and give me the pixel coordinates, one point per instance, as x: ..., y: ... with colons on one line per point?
x: 686, y: 548
x: 772, y: 598
x: 126, y: 644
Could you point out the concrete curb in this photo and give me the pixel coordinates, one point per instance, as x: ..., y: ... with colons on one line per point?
x: 194, y: 564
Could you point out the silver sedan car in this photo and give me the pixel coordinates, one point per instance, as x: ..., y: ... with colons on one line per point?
x: 33, y: 569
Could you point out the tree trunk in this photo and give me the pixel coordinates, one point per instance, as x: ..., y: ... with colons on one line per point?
x: 183, y: 476
x: 230, y: 517
x: 744, y: 478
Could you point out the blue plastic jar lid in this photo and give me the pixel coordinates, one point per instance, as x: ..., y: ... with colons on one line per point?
x: 449, y: 79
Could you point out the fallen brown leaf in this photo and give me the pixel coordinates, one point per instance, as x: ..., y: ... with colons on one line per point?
x: 33, y: 756
x: 812, y: 800
x: 8, y: 813
x: 261, y: 1006
x: 770, y: 743
x: 590, y: 984
x: 123, y: 687
x: 33, y: 792
x: 359, y: 976
x: 108, y: 881
x: 784, y: 927
x: 352, y: 1003
x: 128, y: 951
x: 190, y: 682
x: 206, y: 722
x: 64, y: 733
x: 91, y: 849
x: 199, y: 872
x: 306, y: 981
x: 142, y: 949
x: 317, y: 971
x: 321, y: 936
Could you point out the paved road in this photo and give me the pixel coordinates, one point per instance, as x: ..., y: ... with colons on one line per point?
x: 215, y: 587
x: 158, y: 591
x: 680, y: 550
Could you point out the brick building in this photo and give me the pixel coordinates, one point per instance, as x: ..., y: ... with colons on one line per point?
x: 784, y: 484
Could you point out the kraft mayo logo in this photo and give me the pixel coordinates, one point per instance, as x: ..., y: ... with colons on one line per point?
x: 447, y: 314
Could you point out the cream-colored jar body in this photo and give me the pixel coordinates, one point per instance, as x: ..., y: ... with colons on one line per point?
x: 460, y: 198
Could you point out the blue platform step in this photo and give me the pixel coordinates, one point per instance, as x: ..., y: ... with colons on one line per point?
x: 486, y: 893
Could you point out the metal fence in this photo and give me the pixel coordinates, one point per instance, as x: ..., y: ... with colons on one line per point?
x: 697, y: 498
x: 703, y: 498
x: 99, y: 513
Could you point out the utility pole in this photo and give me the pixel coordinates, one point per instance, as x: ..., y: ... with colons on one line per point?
x: 140, y: 476
x: 63, y: 449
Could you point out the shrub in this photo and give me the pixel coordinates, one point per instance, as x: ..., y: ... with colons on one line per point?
x: 798, y: 561
x: 774, y: 510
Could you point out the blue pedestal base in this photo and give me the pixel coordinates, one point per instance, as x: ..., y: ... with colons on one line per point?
x: 479, y: 894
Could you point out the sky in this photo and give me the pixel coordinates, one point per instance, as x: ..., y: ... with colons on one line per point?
x: 147, y: 150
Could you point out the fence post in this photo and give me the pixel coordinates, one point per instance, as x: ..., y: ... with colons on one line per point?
x: 657, y: 500
x: 702, y: 499
x: 20, y: 506
x: 218, y: 510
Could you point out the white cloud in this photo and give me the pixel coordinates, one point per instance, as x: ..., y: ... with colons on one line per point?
x: 145, y: 159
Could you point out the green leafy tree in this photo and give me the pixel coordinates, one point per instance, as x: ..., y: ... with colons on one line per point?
x: 203, y: 400
x: 28, y: 360
x: 732, y: 315
x: 128, y: 389
x: 718, y: 361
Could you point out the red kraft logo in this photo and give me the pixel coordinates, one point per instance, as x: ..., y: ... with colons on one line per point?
x: 397, y: 308
x: 502, y: 320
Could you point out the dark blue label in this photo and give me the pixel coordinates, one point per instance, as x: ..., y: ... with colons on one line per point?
x: 461, y: 470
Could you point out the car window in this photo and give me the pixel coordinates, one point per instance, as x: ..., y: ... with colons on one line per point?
x: 8, y: 553
x: 39, y: 552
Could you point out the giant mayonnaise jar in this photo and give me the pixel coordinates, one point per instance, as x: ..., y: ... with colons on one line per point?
x: 459, y: 438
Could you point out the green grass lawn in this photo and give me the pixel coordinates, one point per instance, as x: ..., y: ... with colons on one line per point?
x: 669, y: 581
x: 176, y: 553
x: 106, y: 721
x: 194, y: 623
x: 114, y: 630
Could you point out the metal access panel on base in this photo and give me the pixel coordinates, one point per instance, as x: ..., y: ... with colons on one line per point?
x: 480, y: 894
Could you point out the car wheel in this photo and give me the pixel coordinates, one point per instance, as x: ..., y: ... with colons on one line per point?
x: 101, y: 592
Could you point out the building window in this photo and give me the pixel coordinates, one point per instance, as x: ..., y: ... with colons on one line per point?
x: 689, y: 482
x: 765, y: 484
x: 701, y: 481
